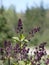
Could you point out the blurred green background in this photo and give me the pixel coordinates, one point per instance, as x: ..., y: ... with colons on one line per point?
x: 32, y: 17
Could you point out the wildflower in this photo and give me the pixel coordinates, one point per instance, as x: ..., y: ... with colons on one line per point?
x: 20, y: 26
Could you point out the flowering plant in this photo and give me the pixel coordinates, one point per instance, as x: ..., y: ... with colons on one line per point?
x: 17, y: 53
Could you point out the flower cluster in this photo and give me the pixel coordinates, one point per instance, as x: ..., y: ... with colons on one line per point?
x: 47, y: 61
x: 20, y: 26
x: 39, y: 53
x: 6, y: 50
x: 21, y: 53
x: 33, y: 31
x: 19, y: 50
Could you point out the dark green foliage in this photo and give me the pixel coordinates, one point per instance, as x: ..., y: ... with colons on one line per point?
x: 5, y: 32
x: 33, y: 17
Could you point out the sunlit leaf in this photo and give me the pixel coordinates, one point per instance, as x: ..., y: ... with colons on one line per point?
x: 21, y: 62
x: 22, y: 37
x: 26, y: 41
x: 15, y: 38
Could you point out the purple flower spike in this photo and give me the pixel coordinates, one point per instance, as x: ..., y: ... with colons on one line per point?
x: 20, y: 26
x: 5, y: 43
x: 19, y: 22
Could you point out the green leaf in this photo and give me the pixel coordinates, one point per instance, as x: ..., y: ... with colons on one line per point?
x: 42, y: 62
x: 1, y: 62
x: 21, y: 63
x: 29, y: 63
x: 14, y: 64
x: 26, y: 41
x: 15, y: 38
x: 22, y: 37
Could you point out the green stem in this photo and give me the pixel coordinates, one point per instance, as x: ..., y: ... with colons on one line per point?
x: 9, y: 61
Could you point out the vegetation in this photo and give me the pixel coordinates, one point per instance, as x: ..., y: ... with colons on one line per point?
x: 15, y: 39
x: 33, y: 17
x: 17, y: 54
x: 5, y: 31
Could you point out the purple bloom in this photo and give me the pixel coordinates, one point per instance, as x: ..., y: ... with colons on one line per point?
x: 17, y: 48
x: 47, y: 61
x: 19, y: 22
x: 39, y: 53
x: 28, y: 50
x: 1, y: 51
x: 5, y: 43
x: 33, y: 31
x: 20, y: 26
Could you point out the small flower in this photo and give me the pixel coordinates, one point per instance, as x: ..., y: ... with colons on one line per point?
x: 5, y: 43
x: 36, y: 48
x: 47, y: 61
x: 8, y: 52
x: 28, y: 50
x: 35, y: 30
x: 1, y: 51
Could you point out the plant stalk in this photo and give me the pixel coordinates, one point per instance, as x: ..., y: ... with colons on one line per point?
x: 9, y: 61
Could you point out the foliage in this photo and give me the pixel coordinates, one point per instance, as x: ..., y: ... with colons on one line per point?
x: 15, y: 51
x: 19, y: 51
x: 32, y: 17
x: 5, y: 31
